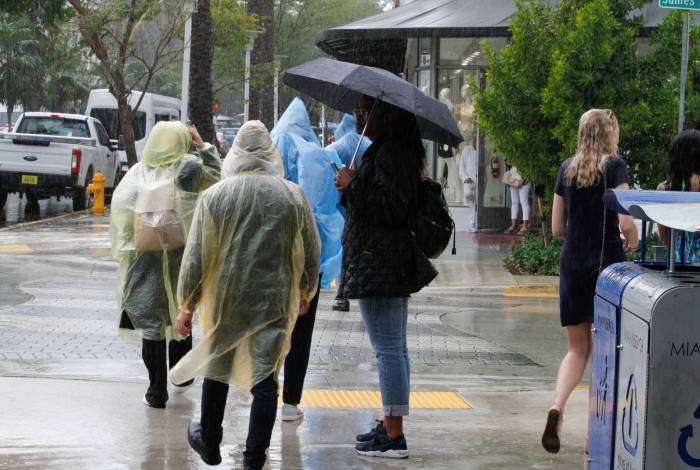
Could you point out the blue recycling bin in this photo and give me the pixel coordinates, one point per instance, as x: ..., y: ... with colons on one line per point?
x: 645, y: 392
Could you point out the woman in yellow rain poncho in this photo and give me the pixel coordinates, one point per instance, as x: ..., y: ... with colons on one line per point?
x: 150, y: 216
x: 250, y: 266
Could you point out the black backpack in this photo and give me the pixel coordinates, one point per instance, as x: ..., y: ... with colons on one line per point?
x: 434, y: 225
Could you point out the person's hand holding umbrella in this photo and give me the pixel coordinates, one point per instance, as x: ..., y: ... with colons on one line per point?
x: 343, y: 179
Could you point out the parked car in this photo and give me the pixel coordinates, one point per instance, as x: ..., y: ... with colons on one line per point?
x: 53, y: 154
x: 228, y: 135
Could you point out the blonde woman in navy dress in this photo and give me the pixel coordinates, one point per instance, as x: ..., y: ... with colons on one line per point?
x: 592, y: 242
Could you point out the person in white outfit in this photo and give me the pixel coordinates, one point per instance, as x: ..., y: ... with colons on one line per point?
x: 468, y: 167
x: 520, y: 197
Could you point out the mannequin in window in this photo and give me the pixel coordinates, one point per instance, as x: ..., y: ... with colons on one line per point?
x: 468, y: 167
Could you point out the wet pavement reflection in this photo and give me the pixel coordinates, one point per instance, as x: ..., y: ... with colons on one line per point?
x: 22, y: 209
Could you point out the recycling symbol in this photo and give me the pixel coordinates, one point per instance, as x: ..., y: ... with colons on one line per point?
x: 630, y: 423
x: 686, y: 435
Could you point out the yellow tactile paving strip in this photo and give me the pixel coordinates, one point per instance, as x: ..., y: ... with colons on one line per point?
x: 361, y: 399
x: 15, y: 249
x: 542, y: 292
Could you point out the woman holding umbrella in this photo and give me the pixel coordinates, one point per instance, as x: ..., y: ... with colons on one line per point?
x: 382, y: 265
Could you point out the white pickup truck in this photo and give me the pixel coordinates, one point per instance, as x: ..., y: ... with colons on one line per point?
x: 53, y: 154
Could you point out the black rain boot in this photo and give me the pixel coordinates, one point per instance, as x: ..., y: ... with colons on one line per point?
x: 153, y: 353
x: 176, y: 351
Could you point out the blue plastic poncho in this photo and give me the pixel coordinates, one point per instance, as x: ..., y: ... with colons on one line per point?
x: 308, y: 164
x: 316, y: 180
x: 346, y: 142
x: 294, y: 121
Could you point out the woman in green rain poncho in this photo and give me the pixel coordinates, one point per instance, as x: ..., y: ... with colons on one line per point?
x: 150, y: 216
x: 250, y: 267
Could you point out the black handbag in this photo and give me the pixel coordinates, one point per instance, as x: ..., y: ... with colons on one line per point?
x: 433, y: 226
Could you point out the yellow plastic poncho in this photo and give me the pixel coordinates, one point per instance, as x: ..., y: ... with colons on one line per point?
x: 151, y: 212
x: 252, y: 254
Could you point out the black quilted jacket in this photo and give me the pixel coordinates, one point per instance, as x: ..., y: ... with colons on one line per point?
x: 380, y: 257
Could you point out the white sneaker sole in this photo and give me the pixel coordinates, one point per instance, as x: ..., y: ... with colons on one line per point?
x: 292, y: 418
x: 389, y: 454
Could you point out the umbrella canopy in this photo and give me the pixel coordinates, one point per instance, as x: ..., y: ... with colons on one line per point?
x: 341, y: 85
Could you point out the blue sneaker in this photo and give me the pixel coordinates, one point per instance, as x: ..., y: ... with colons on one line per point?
x: 369, y: 436
x: 382, y: 446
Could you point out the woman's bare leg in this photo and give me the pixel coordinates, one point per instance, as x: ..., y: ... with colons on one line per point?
x: 574, y: 363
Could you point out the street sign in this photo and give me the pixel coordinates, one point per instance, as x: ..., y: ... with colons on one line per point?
x: 680, y: 4
x: 686, y: 5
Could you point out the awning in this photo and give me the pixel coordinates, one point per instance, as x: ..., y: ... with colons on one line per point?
x: 380, y: 40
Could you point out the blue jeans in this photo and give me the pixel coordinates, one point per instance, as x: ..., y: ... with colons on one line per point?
x: 385, y: 320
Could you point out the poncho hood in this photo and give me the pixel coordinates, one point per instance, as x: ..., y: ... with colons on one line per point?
x: 169, y: 142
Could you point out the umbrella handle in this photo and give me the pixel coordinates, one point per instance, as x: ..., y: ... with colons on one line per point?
x: 353, y: 163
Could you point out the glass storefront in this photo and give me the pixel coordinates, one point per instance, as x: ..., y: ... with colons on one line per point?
x: 448, y: 69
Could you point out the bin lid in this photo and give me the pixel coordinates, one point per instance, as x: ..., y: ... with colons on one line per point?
x: 676, y: 216
x: 674, y: 209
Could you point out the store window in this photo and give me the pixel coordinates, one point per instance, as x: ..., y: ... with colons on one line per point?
x: 455, y: 92
x: 466, y: 52
x: 461, y: 67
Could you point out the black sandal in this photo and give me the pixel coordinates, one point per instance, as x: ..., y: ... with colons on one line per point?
x: 550, y: 437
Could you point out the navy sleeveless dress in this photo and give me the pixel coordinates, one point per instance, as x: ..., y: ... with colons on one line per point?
x: 581, y: 253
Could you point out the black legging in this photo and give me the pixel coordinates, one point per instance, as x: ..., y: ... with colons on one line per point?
x: 297, y: 361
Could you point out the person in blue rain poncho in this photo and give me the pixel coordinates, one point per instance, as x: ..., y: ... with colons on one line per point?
x: 294, y: 121
x: 347, y: 135
x: 309, y: 165
x: 346, y: 138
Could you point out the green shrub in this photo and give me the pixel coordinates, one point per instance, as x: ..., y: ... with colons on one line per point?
x: 533, y: 257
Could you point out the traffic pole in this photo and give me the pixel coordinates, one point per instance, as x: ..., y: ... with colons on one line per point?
x: 684, y: 69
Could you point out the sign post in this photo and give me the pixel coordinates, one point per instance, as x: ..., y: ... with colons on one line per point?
x: 685, y: 5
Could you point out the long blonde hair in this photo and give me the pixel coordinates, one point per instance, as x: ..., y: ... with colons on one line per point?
x: 598, y: 136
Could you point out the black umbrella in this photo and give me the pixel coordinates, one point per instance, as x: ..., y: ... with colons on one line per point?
x: 341, y: 85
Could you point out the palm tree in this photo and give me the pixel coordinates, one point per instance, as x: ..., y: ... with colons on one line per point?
x: 262, y: 63
x: 202, y: 54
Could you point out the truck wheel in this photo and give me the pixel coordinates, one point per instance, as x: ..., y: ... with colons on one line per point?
x: 3, y: 200
x: 81, y: 198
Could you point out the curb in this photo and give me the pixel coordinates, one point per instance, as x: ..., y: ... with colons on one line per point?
x: 543, y: 292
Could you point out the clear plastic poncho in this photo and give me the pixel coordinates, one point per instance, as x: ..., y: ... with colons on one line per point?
x: 150, y: 216
x: 251, y: 255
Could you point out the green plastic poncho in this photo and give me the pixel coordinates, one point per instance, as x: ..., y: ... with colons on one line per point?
x: 252, y: 254
x: 151, y: 212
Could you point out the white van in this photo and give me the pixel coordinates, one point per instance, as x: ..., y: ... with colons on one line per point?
x: 102, y: 105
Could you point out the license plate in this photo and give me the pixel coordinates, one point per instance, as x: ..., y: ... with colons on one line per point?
x: 30, y: 179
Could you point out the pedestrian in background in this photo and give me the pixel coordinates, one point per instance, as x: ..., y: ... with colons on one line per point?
x: 382, y: 264
x: 591, y: 235
x: 683, y: 175
x: 250, y: 266
x: 519, y: 198
x: 350, y: 144
x: 151, y: 212
x: 305, y: 165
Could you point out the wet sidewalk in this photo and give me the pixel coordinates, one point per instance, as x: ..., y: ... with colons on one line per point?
x: 484, y: 358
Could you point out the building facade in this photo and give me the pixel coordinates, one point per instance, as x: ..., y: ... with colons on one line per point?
x: 438, y: 46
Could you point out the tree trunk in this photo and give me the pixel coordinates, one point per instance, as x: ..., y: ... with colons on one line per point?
x: 262, y: 63
x: 126, y: 116
x: 10, y: 107
x: 202, y: 53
